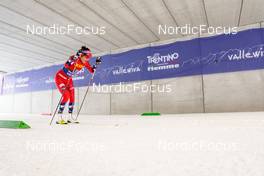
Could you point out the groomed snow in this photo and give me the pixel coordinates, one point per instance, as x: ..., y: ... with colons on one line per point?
x: 228, y: 144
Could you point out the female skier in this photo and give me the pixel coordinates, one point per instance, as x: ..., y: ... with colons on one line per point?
x: 64, y: 83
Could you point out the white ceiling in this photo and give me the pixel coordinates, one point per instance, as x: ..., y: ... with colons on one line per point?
x: 128, y: 23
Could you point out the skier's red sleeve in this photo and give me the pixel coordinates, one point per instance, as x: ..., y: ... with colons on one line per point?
x: 89, y: 67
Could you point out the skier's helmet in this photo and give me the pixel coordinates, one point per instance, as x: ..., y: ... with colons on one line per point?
x: 84, y: 51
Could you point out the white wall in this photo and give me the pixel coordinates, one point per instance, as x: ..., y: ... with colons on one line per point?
x: 41, y: 102
x: 22, y: 103
x: 94, y: 103
x: 186, y: 96
x: 6, y: 103
x: 135, y: 102
x: 237, y: 91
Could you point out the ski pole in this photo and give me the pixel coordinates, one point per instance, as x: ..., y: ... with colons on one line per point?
x: 54, y: 113
x: 87, y: 90
x: 98, y: 61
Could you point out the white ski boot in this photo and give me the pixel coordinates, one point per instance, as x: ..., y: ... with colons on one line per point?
x: 60, y: 120
x: 71, y: 119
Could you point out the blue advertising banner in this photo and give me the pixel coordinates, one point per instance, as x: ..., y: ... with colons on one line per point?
x: 227, y: 53
x: 1, y: 84
x: 217, y: 54
x: 33, y: 80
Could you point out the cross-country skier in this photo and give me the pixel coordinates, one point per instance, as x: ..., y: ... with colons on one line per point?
x: 64, y: 83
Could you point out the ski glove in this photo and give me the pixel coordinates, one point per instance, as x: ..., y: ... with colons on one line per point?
x: 98, y: 60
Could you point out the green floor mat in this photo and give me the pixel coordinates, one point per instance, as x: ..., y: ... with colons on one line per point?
x: 151, y: 114
x: 13, y: 124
